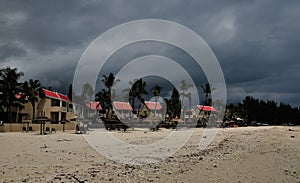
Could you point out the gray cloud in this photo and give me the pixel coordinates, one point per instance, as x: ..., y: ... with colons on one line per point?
x: 256, y: 42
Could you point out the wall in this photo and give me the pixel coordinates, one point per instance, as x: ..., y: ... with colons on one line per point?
x: 17, y: 127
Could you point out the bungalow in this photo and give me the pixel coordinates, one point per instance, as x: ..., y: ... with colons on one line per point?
x: 87, y: 110
x: 122, y: 109
x: 151, y: 108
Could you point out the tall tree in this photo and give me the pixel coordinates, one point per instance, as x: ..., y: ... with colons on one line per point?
x: 126, y: 91
x: 10, y: 88
x: 156, y: 93
x: 173, y: 105
x: 70, y: 92
x: 207, y: 89
x: 184, y: 86
x: 109, y: 81
x: 33, y: 89
x: 137, y: 90
x: 103, y: 98
x: 189, y: 97
x: 87, y: 91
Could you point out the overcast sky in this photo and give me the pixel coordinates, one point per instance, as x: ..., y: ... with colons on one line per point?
x: 257, y: 42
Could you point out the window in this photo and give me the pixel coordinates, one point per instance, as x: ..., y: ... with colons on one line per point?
x: 55, y: 102
x: 64, y: 104
x: 54, y: 117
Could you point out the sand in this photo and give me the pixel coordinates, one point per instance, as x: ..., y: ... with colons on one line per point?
x: 246, y: 154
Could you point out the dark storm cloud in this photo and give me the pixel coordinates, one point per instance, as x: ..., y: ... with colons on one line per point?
x: 256, y: 42
x: 10, y: 50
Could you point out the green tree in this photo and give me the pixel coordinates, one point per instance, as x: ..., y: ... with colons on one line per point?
x: 10, y: 88
x: 136, y: 91
x: 173, y: 105
x: 33, y: 89
x: 71, y: 92
x: 103, y: 98
x: 156, y: 93
x: 189, y: 97
x: 109, y: 81
x: 87, y: 92
x: 184, y: 86
x: 207, y: 89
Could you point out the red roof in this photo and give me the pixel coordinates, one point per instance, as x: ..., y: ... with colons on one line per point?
x: 125, y: 106
x: 94, y: 105
x: 153, y: 105
x: 206, y: 108
x: 56, y: 95
x: 63, y: 97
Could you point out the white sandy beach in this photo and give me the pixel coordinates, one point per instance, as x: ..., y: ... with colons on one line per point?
x: 249, y: 154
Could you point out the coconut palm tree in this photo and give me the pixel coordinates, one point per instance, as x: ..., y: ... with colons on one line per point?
x: 103, y: 98
x: 10, y: 88
x: 33, y: 89
x: 189, y: 97
x: 156, y: 93
x: 126, y: 91
x: 137, y: 90
x: 207, y: 89
x: 87, y: 91
x: 109, y: 81
x: 184, y: 86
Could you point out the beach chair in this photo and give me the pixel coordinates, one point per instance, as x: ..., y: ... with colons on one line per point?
x: 47, y: 130
x: 53, y: 130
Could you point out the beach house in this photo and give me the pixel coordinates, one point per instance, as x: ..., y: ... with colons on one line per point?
x: 123, y: 110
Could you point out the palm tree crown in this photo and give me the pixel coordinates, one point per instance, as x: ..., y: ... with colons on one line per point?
x: 33, y: 89
x: 10, y: 87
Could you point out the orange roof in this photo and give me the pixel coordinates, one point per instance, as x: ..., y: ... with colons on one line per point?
x: 56, y: 95
x: 94, y: 105
x: 125, y: 106
x: 153, y: 105
x: 206, y: 108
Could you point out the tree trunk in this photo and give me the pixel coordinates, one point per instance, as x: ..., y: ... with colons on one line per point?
x: 41, y: 129
x: 155, y: 106
x: 33, y: 110
x: 9, y: 117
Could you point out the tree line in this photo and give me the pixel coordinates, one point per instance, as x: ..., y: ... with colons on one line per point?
x: 15, y: 94
x: 254, y: 110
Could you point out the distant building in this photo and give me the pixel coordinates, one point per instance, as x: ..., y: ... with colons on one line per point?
x: 151, y: 109
x: 90, y: 109
x: 123, y: 109
x: 55, y: 106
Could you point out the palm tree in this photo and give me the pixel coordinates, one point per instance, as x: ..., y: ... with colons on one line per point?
x: 189, y: 96
x: 103, y: 98
x: 126, y: 91
x: 207, y: 89
x: 33, y: 89
x: 10, y: 87
x: 137, y: 90
x: 184, y: 87
x: 87, y: 90
x: 155, y: 92
x: 109, y: 81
